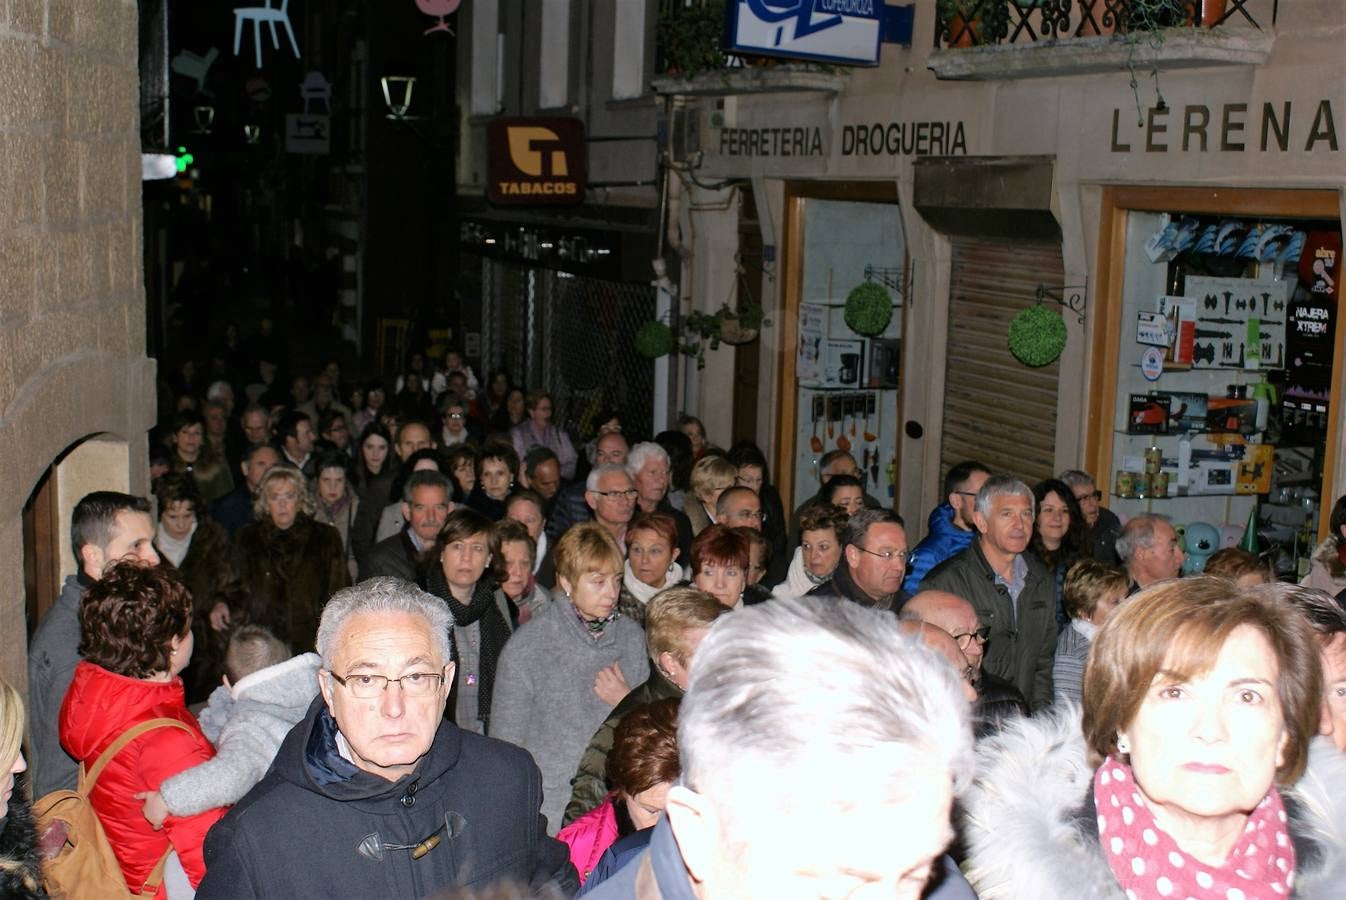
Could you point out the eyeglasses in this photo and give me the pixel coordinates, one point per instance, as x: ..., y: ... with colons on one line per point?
x: 965, y: 639
x: 967, y: 674
x: 1095, y: 496
x: 966, y: 493
x: 887, y: 555
x: 629, y: 494
x: 747, y: 515
x: 454, y: 416
x: 368, y: 687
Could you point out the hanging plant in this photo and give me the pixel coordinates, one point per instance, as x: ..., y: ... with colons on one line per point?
x: 1037, y: 336
x: 654, y: 339
x: 869, y: 309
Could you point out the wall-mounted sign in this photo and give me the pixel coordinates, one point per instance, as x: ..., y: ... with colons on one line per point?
x: 840, y: 31
x: 536, y: 160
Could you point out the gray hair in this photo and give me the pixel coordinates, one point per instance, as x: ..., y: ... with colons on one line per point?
x: 597, y: 473
x: 383, y: 595
x: 754, y: 716
x: 858, y: 525
x: 642, y: 453
x: 425, y: 478
x: 1138, y: 532
x: 219, y: 389
x: 1076, y: 478
x: 1003, y: 486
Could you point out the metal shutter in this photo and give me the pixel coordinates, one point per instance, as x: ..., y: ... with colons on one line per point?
x: 996, y: 409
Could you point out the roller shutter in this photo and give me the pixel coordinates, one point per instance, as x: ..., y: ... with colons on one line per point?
x: 996, y: 409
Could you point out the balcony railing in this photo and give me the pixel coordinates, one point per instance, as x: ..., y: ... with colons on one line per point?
x: 981, y: 22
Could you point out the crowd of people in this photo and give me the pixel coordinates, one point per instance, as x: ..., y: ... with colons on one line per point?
x: 364, y: 641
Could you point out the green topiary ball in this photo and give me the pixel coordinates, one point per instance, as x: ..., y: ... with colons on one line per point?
x: 1037, y: 336
x: 868, y: 309
x: 654, y: 339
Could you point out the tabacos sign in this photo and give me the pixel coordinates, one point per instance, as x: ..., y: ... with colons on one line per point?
x: 536, y: 161
x: 839, y: 31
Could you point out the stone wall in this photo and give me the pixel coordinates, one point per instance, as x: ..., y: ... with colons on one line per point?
x: 72, y: 298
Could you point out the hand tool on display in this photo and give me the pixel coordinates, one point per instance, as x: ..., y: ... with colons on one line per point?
x: 869, y: 435
x: 1204, y: 352
x: 1228, y: 295
x: 1201, y: 333
x: 843, y: 444
x: 853, y: 418
x: 815, y: 443
x: 1224, y: 321
x: 1211, y: 301
x: 1240, y: 356
x: 1227, y: 350
x: 1266, y: 302
x: 874, y: 469
x: 831, y: 432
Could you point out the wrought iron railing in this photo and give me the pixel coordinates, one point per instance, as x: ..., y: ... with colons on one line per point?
x: 978, y: 22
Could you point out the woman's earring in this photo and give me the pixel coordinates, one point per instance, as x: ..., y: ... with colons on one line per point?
x: 1123, y: 745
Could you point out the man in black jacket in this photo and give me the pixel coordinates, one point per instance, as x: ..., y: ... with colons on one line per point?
x: 873, y: 562
x: 997, y: 699
x: 1104, y: 526
x: 373, y: 794
x: 1012, y: 592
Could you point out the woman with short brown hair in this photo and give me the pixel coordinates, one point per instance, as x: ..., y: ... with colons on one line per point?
x: 1200, y: 699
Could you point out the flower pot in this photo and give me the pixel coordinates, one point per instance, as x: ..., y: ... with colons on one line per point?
x: 962, y: 32
x: 1205, y: 12
x: 733, y: 333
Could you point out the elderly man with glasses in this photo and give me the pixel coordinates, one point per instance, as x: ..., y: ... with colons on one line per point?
x: 373, y: 794
x: 1013, y: 594
x: 1104, y: 526
x: 873, y: 561
x: 997, y: 699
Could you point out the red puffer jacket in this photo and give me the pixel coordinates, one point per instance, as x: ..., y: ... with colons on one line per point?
x: 98, y: 708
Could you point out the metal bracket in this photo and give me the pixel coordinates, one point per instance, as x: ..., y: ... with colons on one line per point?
x: 890, y: 277
x: 1067, y: 296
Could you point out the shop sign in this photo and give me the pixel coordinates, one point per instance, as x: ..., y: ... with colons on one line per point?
x: 904, y: 139
x: 1282, y: 127
x: 796, y: 141
x: 839, y: 31
x: 534, y: 161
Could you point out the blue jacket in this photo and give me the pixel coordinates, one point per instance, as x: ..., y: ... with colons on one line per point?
x: 942, y: 540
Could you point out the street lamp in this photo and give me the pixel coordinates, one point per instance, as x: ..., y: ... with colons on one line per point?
x: 399, y: 87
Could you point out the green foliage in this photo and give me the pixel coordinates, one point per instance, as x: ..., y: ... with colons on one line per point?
x: 688, y: 37
x: 654, y: 339
x: 1037, y: 336
x: 869, y: 308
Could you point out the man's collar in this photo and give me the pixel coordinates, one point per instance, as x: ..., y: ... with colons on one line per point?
x: 414, y: 538
x: 670, y: 872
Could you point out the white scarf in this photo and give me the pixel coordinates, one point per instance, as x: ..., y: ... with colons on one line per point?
x: 798, y: 580
x: 642, y: 591
x: 175, y: 550
x: 1085, y: 627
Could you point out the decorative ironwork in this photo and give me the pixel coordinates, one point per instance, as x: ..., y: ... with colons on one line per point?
x: 890, y: 277
x: 1067, y: 296
x: 979, y: 22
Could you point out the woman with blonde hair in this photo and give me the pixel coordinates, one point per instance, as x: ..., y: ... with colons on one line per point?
x: 290, y: 563
x: 712, y: 475
x: 20, y: 868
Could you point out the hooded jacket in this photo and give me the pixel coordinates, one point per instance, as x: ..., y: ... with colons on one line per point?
x: 942, y: 540
x: 317, y: 826
x: 99, y: 707
x: 1031, y: 829
x: 247, y: 725
x: 20, y: 865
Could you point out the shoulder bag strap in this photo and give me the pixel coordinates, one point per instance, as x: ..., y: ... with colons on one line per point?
x: 120, y: 743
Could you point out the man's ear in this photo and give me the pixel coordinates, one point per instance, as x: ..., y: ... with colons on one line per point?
x: 852, y: 556
x: 980, y: 521
x: 406, y: 512
x: 591, y: 500
x: 696, y: 829
x: 93, y: 560
x: 325, y: 686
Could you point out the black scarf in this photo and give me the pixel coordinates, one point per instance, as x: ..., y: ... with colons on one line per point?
x: 494, y: 629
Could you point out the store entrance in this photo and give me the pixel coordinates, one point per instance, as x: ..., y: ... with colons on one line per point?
x: 1217, y: 366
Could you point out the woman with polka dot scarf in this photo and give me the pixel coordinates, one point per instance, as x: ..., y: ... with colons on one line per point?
x: 1187, y: 776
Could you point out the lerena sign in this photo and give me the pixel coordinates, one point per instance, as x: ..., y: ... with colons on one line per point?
x: 533, y: 161
x: 840, y: 31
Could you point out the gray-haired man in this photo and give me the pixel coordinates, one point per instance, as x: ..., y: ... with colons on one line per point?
x: 821, y: 750
x: 373, y: 794
x: 1012, y: 592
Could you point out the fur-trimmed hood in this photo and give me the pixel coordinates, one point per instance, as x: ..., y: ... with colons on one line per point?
x: 1031, y: 832
x: 21, y: 874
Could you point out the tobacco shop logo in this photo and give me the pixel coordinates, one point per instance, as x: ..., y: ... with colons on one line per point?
x: 533, y: 161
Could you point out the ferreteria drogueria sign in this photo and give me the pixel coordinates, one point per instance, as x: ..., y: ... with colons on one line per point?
x: 1283, y: 126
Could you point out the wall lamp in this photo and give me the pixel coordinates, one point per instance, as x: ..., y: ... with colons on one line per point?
x: 397, y: 95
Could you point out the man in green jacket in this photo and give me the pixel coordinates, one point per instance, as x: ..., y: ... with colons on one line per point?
x: 1012, y: 592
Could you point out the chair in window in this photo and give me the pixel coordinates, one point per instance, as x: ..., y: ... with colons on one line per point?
x: 270, y: 16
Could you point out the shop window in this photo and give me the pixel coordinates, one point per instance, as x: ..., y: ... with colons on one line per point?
x: 628, y: 57
x: 486, y: 58
x: 1225, y: 376
x: 554, y: 68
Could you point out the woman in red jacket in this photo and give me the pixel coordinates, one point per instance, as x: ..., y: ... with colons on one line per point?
x: 136, y: 627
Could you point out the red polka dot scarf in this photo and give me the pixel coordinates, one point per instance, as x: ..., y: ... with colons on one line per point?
x: 1149, y: 865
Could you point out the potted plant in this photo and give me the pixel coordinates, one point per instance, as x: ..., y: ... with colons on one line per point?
x: 963, y: 23
x: 701, y: 331
x: 688, y: 37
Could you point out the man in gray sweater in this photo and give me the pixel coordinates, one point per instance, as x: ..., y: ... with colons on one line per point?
x: 106, y: 527
x: 557, y: 669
